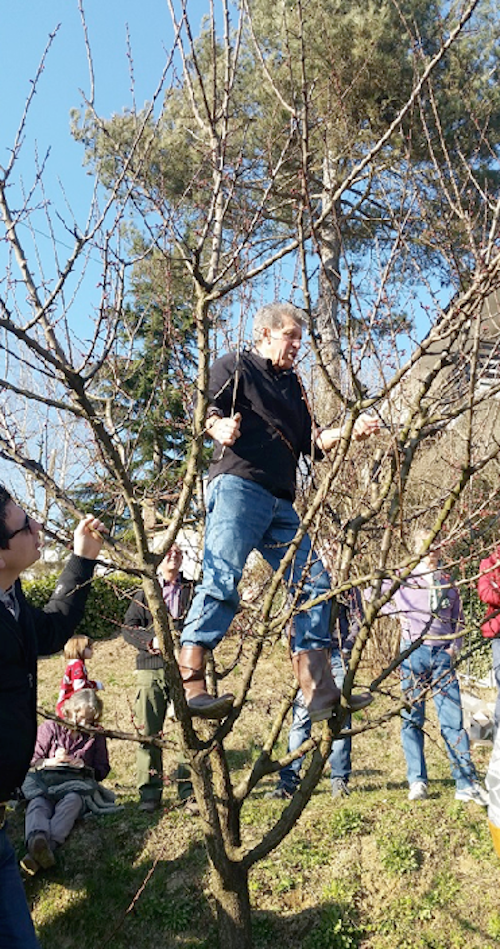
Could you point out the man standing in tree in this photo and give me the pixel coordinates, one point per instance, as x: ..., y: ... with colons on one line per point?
x: 260, y: 421
x: 25, y: 634
x: 152, y: 691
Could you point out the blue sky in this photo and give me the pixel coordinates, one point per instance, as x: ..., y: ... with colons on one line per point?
x: 25, y: 27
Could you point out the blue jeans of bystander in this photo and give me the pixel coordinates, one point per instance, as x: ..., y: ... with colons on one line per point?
x: 16, y: 926
x: 430, y: 668
x: 495, y: 652
x: 243, y: 516
x: 340, y: 757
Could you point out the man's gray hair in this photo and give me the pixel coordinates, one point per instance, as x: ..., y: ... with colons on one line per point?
x: 270, y: 316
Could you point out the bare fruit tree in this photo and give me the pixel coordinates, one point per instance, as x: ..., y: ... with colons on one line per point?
x: 271, y: 165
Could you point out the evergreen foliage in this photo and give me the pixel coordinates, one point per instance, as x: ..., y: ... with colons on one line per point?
x: 106, y: 606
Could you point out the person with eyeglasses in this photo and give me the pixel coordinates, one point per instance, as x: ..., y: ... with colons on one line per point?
x: 25, y: 634
x: 260, y: 421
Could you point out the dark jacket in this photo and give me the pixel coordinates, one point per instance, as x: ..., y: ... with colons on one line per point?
x: 276, y: 425
x: 137, y: 629
x: 35, y: 633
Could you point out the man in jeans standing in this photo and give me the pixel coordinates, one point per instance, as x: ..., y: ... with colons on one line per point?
x: 348, y: 622
x: 429, y: 609
x: 260, y: 421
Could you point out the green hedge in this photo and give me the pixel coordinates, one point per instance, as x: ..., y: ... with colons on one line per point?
x: 479, y: 663
x: 106, y: 604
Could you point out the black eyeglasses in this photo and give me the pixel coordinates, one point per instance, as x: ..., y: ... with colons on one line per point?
x: 25, y: 528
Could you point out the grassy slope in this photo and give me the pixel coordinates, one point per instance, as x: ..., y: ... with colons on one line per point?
x: 372, y: 871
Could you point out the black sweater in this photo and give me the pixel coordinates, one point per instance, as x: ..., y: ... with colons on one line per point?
x: 276, y: 425
x: 35, y: 633
x: 137, y: 629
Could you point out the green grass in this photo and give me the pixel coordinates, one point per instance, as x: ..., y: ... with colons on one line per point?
x: 335, y: 930
x: 372, y: 871
x: 398, y: 855
x: 347, y: 822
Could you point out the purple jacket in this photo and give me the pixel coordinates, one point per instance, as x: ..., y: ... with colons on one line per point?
x: 92, y: 749
x: 411, y: 604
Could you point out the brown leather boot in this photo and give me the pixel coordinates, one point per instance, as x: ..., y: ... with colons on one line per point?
x: 199, y: 702
x: 321, y: 695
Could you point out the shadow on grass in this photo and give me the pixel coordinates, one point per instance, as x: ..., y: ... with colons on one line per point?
x: 126, y: 880
x: 367, y: 772
x: 132, y: 881
x: 106, y: 867
x: 328, y: 925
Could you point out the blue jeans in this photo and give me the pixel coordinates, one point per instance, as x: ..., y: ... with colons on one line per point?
x: 340, y: 756
x: 241, y: 517
x: 431, y: 667
x: 16, y: 927
x: 495, y: 652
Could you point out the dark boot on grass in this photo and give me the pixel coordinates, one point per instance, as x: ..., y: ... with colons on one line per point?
x: 39, y: 849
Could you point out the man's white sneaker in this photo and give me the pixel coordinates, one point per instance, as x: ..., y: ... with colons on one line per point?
x: 418, y: 791
x: 473, y: 792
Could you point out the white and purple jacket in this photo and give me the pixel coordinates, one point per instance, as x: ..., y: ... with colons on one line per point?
x: 427, y: 603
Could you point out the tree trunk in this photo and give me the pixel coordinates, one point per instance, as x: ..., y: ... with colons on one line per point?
x: 327, y: 402
x: 233, y: 907
x: 326, y: 315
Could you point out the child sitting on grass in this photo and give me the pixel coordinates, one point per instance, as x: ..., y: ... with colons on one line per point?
x: 76, y: 651
x: 62, y: 782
